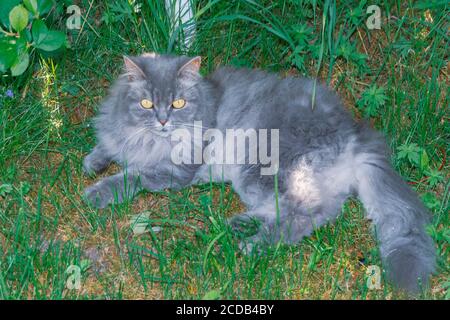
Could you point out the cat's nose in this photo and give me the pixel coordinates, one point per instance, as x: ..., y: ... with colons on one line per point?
x: 163, y: 122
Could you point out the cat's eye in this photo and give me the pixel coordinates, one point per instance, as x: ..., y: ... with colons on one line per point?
x: 146, y: 104
x: 179, y: 103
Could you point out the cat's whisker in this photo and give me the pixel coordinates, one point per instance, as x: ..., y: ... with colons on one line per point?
x: 181, y: 124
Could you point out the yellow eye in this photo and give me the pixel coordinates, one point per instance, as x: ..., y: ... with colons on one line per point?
x: 146, y: 104
x: 178, y: 104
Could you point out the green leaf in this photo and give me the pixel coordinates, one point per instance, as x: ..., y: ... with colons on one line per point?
x: 298, y: 61
x: 21, y: 44
x: 44, y: 39
x: 8, y: 54
x: 431, y: 201
x: 18, y: 18
x: 53, y: 41
x: 434, y: 177
x: 20, y: 65
x: 212, y: 295
x: 44, y: 6
x: 5, y: 8
x: 38, y: 31
x: 409, y: 151
x: 424, y: 160
x: 371, y: 100
x: 22, y: 60
x: 31, y: 5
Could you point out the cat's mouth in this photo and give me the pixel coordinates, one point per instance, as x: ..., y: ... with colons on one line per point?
x: 162, y: 132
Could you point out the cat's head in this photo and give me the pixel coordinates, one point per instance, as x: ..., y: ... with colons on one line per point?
x: 161, y: 91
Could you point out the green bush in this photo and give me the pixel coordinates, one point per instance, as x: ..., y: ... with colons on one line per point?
x: 24, y: 33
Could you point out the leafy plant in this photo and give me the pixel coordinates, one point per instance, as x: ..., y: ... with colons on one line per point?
x: 348, y: 51
x: 431, y: 201
x: 434, y: 177
x: 356, y: 14
x: 416, y: 156
x: 303, y: 35
x: 24, y: 31
x: 120, y: 11
x: 371, y: 100
x: 409, y: 151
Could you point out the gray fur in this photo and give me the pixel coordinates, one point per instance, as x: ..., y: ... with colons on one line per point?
x: 325, y: 156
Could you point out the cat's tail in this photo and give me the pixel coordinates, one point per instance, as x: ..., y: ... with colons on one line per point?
x: 400, y: 218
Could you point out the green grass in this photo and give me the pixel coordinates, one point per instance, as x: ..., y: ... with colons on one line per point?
x: 395, y: 77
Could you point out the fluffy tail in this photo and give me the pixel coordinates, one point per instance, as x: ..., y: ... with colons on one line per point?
x: 400, y: 218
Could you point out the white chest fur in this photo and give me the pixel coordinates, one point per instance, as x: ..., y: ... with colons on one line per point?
x: 144, y: 150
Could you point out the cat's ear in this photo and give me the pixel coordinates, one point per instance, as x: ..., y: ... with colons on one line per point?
x: 190, y: 70
x: 193, y: 65
x: 134, y: 72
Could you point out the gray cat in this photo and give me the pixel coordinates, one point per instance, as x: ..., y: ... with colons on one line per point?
x: 325, y: 156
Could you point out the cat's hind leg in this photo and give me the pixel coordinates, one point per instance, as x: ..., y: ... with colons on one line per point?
x: 289, y: 223
x: 308, y: 200
x: 286, y: 225
x: 276, y: 220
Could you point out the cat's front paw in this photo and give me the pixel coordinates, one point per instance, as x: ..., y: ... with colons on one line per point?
x: 252, y: 245
x: 98, y: 195
x: 244, y: 224
x: 94, y: 163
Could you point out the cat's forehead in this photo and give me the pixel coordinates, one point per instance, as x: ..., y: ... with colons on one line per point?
x: 161, y: 68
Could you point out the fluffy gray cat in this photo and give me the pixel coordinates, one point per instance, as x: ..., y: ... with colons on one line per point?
x: 325, y: 156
